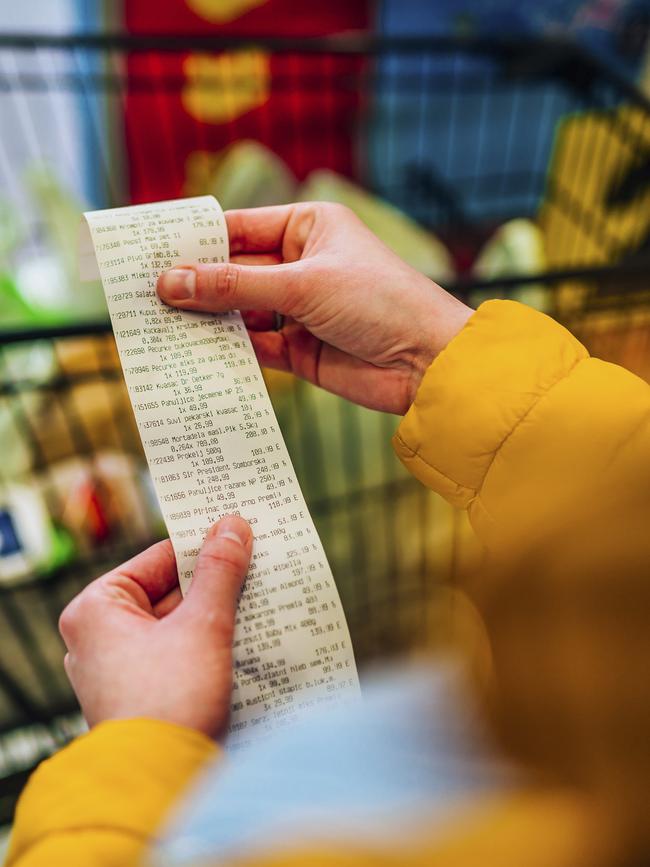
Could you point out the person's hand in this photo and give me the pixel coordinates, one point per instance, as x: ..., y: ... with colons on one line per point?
x: 358, y: 320
x: 135, y: 649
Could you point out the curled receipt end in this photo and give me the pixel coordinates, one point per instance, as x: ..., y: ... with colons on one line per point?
x: 214, y: 447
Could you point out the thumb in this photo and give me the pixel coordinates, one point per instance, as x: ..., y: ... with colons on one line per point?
x: 223, y: 287
x: 218, y: 576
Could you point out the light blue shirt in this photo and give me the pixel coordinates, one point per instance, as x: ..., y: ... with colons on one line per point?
x: 404, y: 755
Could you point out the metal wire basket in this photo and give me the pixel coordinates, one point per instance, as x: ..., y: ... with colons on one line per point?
x: 460, y: 135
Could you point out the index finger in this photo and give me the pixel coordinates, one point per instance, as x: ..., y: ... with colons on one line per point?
x: 257, y: 230
x: 154, y: 570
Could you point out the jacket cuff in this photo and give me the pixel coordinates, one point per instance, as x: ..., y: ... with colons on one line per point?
x: 123, y: 775
x: 477, y: 391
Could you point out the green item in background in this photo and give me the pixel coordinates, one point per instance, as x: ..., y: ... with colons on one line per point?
x: 59, y: 213
x: 62, y: 552
x: 516, y: 248
x: 14, y: 311
x: 10, y: 234
x: 39, y: 284
x: 30, y: 544
x: 51, y: 282
x: 250, y: 175
x: 417, y: 246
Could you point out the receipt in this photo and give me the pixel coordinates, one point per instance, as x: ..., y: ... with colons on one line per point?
x: 214, y: 447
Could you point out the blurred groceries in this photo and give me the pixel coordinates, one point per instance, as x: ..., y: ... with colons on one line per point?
x: 39, y: 284
x: 73, y: 480
x: 29, y: 542
x: 247, y: 175
x: 71, y: 511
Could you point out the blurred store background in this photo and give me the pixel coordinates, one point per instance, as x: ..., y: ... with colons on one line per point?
x: 502, y: 148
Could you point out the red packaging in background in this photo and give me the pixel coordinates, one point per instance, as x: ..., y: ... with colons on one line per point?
x: 182, y: 108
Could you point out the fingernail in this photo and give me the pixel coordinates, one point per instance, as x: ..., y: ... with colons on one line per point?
x: 234, y: 528
x: 179, y: 284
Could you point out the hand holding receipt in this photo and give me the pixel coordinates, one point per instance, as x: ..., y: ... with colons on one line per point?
x: 214, y: 448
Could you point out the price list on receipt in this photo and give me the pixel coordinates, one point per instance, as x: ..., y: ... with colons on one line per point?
x: 214, y: 447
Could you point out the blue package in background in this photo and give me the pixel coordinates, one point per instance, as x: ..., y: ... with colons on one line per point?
x: 9, y: 541
x: 455, y: 141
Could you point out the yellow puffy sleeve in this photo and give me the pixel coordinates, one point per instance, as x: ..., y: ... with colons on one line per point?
x: 100, y: 800
x: 514, y: 420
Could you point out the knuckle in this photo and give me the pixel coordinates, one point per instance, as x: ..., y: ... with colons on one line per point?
x: 291, y: 296
x: 335, y: 210
x: 76, y: 613
x: 220, y: 622
x: 236, y: 233
x: 228, y: 557
x: 223, y: 282
x: 69, y: 620
x: 311, y: 272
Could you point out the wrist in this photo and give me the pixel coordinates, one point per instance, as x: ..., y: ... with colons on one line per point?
x: 445, y: 319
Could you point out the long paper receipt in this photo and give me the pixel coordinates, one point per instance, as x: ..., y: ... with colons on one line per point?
x: 214, y: 447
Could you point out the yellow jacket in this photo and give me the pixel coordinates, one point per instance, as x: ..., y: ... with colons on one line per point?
x: 511, y: 420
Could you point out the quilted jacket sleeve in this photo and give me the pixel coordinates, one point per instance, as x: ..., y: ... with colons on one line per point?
x: 98, y: 802
x: 514, y: 420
